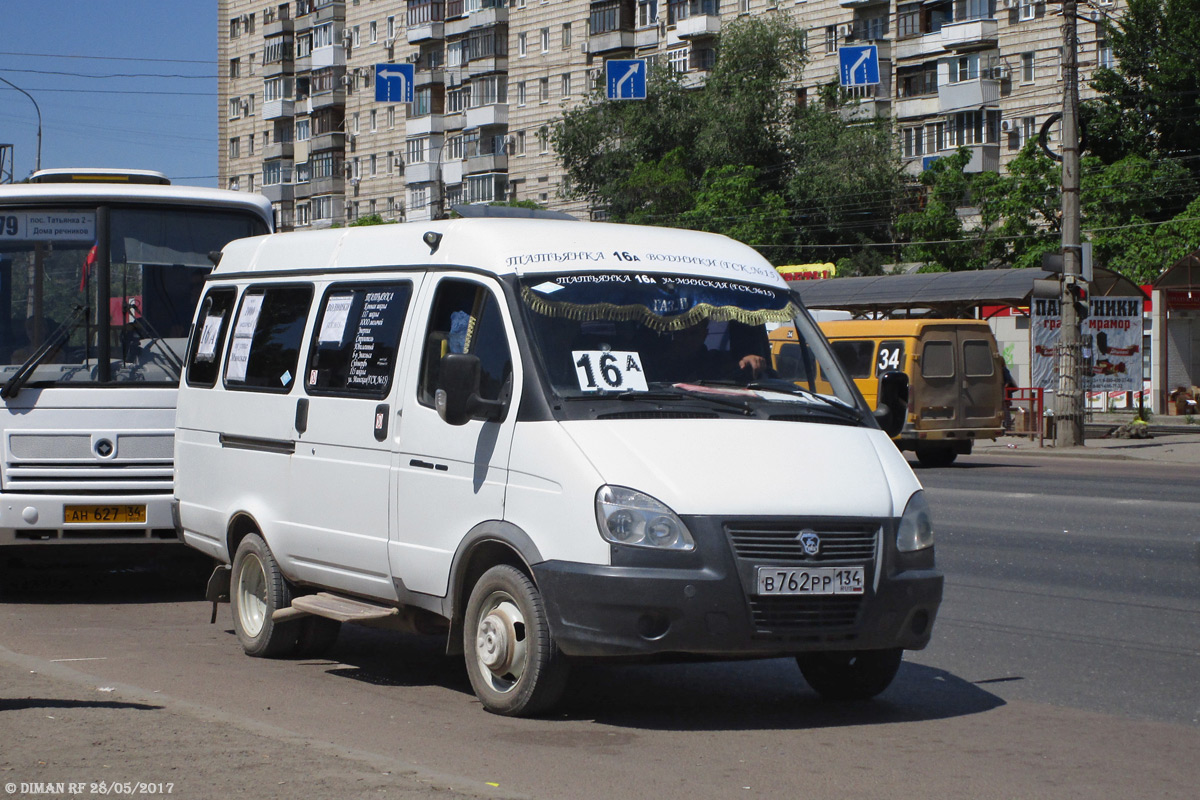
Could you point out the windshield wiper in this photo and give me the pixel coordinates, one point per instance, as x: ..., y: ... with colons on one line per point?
x: 787, y: 387
x: 147, y: 331
x: 49, y: 348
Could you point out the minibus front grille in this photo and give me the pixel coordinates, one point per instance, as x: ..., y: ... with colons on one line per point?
x: 805, y: 616
x: 84, y: 479
x: 781, y: 542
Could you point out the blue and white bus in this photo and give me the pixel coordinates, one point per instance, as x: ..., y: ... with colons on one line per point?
x: 100, y: 271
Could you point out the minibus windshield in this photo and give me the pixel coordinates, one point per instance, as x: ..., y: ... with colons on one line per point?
x: 634, y: 334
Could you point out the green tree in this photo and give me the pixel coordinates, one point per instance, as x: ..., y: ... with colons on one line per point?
x: 722, y: 203
x: 1149, y: 102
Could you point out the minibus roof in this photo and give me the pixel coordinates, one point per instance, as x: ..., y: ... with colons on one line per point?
x: 520, y: 247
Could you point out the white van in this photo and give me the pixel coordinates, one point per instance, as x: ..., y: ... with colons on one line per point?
x: 547, y: 441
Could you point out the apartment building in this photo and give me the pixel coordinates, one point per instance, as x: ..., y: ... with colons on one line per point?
x: 299, y: 122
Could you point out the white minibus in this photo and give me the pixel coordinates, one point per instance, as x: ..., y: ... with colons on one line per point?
x: 546, y: 441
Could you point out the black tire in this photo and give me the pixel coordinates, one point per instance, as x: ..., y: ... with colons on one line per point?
x: 256, y: 590
x: 850, y: 675
x: 316, y: 636
x: 936, y: 456
x: 515, y: 667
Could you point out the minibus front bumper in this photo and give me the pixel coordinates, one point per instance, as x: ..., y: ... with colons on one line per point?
x: 710, y: 606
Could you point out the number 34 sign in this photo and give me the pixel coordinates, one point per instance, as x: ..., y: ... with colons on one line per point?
x: 608, y: 370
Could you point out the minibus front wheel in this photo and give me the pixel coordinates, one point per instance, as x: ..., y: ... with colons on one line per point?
x: 516, y: 669
x: 257, y: 589
x: 850, y: 674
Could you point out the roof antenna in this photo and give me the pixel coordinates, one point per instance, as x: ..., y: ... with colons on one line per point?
x: 433, y: 239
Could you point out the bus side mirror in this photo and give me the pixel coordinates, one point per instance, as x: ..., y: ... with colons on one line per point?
x: 893, y: 402
x: 457, y: 398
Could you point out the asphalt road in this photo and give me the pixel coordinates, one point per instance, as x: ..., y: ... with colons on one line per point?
x: 1064, y: 663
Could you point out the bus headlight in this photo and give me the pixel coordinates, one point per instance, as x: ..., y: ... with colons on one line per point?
x: 916, y: 526
x: 626, y: 516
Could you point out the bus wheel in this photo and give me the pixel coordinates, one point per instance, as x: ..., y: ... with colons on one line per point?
x: 936, y: 456
x: 257, y: 589
x: 515, y: 667
x: 850, y: 675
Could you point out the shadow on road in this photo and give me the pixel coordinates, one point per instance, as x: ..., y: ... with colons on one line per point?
x: 46, y: 702
x: 699, y: 696
x: 97, y: 575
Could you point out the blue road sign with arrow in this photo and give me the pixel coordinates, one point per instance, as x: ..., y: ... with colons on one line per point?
x: 858, y: 65
x: 394, y: 83
x: 625, y: 79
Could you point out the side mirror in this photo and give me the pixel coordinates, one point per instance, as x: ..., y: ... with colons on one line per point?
x: 893, y: 402
x: 457, y: 398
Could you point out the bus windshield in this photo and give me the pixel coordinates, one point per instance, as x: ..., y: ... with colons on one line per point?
x: 71, y: 314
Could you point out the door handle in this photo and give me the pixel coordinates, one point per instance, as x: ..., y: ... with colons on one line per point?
x: 381, y: 422
x: 302, y: 415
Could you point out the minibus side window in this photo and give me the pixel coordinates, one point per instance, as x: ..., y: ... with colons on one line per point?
x: 267, y: 333
x: 466, y: 319
x: 355, y: 343
x: 212, y: 325
x: 855, y: 356
x: 937, y: 360
x: 977, y: 359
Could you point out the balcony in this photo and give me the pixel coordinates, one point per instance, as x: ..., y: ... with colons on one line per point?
x: 611, y: 41
x: 274, y: 109
x: 485, y: 66
x: 302, y: 191
x: 426, y: 32
x: 334, y: 184
x: 866, y: 109
x: 282, y: 66
x: 969, y: 34
x: 424, y: 125
x: 278, y: 150
x: 424, y: 77
x: 487, y: 162
x: 333, y: 55
x: 452, y: 171
x: 646, y: 37
x: 883, y: 47
x: 698, y: 26
x: 279, y: 193
x: 329, y: 11
x: 278, y: 27
x: 968, y: 94
x: 930, y: 44
x: 493, y: 114
x: 486, y: 17
x: 328, y: 141
x: 913, y: 107
x: 856, y: 3
x: 424, y: 172
x: 333, y: 97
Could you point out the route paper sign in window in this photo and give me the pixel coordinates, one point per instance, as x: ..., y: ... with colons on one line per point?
x: 357, y: 340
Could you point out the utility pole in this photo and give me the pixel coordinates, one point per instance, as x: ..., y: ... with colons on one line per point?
x: 1068, y: 411
x: 37, y: 164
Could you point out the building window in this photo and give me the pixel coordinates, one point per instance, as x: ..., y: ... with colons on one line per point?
x: 235, y: 27
x: 1026, y: 10
x: 1027, y: 67
x: 322, y: 208
x: 544, y: 90
x: 566, y: 36
x: 543, y: 140
x: 677, y: 60
x: 917, y: 81
x: 235, y: 147
x: 374, y: 32
x: 1104, y: 54
x: 522, y: 46
x: 964, y: 68
x: 913, y: 141
x: 520, y: 143
x: 374, y: 165
x: 521, y: 93
x: 830, y: 39
x: 391, y: 28
x: 235, y: 68
x: 565, y: 84
x: 414, y: 152
x: 391, y: 117
x: 545, y: 39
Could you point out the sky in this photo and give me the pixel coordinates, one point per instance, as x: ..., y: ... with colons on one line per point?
x: 163, y: 119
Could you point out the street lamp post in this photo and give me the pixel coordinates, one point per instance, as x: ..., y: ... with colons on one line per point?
x: 37, y: 165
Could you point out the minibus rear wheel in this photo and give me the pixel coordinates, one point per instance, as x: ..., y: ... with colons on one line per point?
x: 850, y: 674
x: 257, y: 589
x: 936, y: 456
x: 516, y: 669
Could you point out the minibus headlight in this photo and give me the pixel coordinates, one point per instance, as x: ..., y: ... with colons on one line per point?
x: 916, y: 526
x: 626, y: 516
